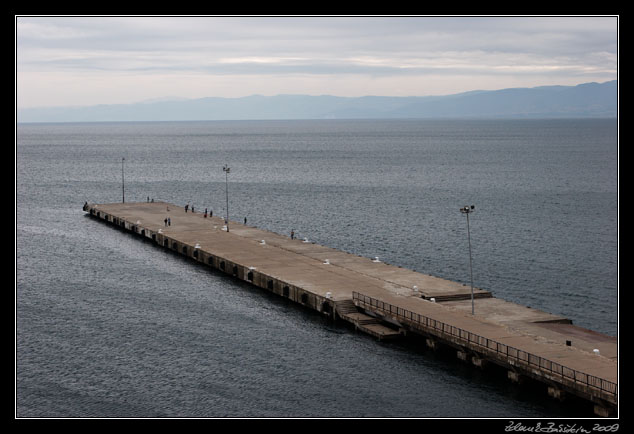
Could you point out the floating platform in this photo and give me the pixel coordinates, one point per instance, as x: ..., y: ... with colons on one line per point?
x: 387, y: 301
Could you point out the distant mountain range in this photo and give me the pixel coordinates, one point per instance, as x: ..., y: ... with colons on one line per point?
x: 584, y: 100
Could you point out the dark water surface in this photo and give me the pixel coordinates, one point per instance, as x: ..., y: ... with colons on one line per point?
x: 107, y: 325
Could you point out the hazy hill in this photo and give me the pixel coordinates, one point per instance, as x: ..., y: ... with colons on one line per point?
x: 584, y: 100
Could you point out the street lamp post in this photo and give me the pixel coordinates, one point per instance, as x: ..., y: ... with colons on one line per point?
x: 226, y: 169
x: 122, y: 182
x: 468, y: 210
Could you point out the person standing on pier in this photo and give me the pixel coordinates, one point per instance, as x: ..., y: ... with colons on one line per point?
x: 292, y: 234
x: 186, y: 207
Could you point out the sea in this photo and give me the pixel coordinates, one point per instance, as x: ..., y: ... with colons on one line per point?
x: 110, y: 326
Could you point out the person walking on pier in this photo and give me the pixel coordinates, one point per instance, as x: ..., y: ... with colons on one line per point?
x: 165, y: 221
x: 186, y: 207
x: 292, y: 234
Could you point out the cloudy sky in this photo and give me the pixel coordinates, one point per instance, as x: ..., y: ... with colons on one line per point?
x: 63, y: 61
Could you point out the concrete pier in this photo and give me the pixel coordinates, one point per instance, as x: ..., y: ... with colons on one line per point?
x: 387, y: 301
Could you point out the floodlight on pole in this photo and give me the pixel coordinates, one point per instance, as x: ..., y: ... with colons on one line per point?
x: 227, y: 169
x: 122, y: 182
x: 468, y: 210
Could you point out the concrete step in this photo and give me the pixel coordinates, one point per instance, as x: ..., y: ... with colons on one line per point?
x: 460, y: 296
x: 346, y: 307
x: 369, y: 324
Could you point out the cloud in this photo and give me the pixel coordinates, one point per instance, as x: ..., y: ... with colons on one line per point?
x: 323, y: 48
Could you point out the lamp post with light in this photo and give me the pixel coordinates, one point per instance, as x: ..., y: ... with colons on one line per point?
x: 226, y: 169
x: 468, y: 210
x: 122, y: 182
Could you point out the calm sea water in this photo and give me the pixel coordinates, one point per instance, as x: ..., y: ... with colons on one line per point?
x: 107, y: 325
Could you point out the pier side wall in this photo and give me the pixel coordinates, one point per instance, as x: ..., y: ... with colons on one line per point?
x: 221, y: 264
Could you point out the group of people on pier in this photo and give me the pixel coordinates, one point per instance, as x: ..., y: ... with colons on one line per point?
x: 168, y: 221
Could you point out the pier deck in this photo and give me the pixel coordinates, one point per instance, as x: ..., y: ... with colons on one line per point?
x: 526, y: 341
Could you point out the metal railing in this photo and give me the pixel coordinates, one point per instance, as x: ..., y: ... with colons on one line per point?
x: 512, y: 353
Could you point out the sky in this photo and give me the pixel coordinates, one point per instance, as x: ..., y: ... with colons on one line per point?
x: 90, y: 60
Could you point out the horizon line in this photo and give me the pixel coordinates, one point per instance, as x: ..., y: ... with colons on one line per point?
x: 162, y: 99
